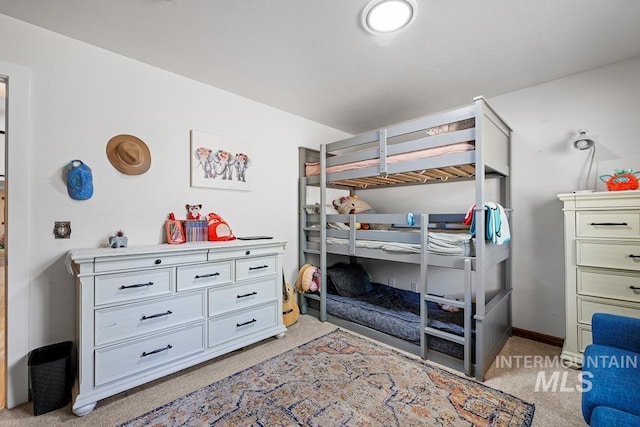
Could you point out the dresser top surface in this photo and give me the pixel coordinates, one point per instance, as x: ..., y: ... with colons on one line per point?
x: 602, y: 199
x: 89, y: 254
x: 598, y: 194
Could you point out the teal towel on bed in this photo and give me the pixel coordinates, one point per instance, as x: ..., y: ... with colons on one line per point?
x: 496, y: 224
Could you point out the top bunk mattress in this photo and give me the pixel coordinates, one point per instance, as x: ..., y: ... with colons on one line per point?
x: 411, y: 148
x: 313, y: 168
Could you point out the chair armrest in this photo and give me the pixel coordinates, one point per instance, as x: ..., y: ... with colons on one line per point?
x: 616, y: 331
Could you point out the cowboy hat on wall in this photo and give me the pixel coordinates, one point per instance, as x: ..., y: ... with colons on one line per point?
x: 129, y: 154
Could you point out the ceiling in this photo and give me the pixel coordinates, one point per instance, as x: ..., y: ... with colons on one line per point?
x: 313, y: 58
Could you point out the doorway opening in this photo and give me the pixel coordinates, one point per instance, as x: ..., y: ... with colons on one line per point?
x: 3, y: 256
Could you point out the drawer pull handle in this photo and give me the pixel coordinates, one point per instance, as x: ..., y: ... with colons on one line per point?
x: 258, y: 268
x: 246, y: 323
x: 634, y: 256
x: 153, y: 316
x: 610, y: 224
x: 247, y: 295
x: 158, y: 261
x: 139, y: 285
x: 207, y: 275
x: 634, y: 288
x: 145, y: 354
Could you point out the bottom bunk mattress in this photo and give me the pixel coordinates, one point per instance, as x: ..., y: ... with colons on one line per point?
x: 396, y: 312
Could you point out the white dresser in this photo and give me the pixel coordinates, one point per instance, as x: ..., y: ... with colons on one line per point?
x: 146, y: 312
x: 602, y: 262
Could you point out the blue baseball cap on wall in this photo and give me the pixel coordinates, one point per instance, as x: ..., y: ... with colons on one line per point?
x: 79, y: 180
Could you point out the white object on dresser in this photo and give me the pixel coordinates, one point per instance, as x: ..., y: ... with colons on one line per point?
x: 602, y: 262
x: 149, y: 311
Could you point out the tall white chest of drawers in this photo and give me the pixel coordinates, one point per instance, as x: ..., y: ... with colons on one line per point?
x: 146, y: 312
x: 602, y: 262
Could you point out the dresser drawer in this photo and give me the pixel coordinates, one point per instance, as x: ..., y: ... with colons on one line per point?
x: 238, y: 324
x: 587, y: 306
x: 608, y: 224
x: 113, y: 324
x: 226, y: 298
x: 255, y: 267
x: 203, y: 275
x: 241, y: 253
x: 116, y: 362
x: 624, y: 256
x: 584, y: 337
x: 609, y: 284
x: 113, y: 288
x: 608, y: 200
x: 135, y: 262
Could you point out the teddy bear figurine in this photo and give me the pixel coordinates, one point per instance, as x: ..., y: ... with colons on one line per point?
x: 193, y: 212
x: 355, y: 205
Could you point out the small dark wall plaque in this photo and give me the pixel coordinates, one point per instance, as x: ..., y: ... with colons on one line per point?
x: 62, y: 229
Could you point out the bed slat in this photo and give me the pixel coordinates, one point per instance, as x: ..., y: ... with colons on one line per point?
x: 419, y: 177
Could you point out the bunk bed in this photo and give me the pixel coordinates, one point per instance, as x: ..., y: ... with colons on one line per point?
x: 472, y: 144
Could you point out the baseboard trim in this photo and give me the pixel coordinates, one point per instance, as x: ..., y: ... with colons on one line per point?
x: 537, y: 336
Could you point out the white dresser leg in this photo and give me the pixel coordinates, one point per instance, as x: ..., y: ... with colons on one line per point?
x: 281, y: 335
x: 84, y: 410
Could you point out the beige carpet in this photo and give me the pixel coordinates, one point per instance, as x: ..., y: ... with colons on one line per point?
x: 552, y: 408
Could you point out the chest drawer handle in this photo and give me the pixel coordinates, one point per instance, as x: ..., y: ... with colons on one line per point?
x: 258, y: 268
x: 145, y: 354
x: 247, y: 295
x: 158, y: 261
x: 139, y: 285
x: 246, y: 323
x: 610, y: 224
x: 207, y: 275
x: 634, y: 288
x: 153, y: 316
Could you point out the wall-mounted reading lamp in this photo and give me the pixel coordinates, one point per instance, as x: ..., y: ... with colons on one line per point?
x: 583, y: 142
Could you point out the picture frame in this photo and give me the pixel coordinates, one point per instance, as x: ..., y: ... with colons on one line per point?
x: 220, y: 162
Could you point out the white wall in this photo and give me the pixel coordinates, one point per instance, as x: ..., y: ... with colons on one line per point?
x: 81, y: 96
x: 545, y: 119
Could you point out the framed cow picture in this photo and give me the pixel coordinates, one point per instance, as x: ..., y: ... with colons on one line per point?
x: 220, y: 162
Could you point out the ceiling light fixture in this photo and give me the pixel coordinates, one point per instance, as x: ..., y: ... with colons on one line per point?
x: 387, y: 16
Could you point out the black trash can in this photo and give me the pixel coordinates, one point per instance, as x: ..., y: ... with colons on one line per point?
x: 51, y: 376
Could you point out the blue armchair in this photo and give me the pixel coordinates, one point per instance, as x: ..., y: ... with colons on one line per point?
x: 611, y: 372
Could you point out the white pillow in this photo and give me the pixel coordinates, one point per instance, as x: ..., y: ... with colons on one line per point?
x: 331, y: 210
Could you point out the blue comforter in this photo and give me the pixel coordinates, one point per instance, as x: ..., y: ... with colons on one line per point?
x: 397, y: 312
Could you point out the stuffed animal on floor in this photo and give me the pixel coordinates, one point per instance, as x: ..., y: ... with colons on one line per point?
x: 355, y: 205
x: 308, y: 279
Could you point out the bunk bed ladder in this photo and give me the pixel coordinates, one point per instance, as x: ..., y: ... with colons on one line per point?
x: 466, y: 306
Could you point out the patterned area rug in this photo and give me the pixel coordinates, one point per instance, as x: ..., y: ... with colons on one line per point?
x: 341, y: 379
